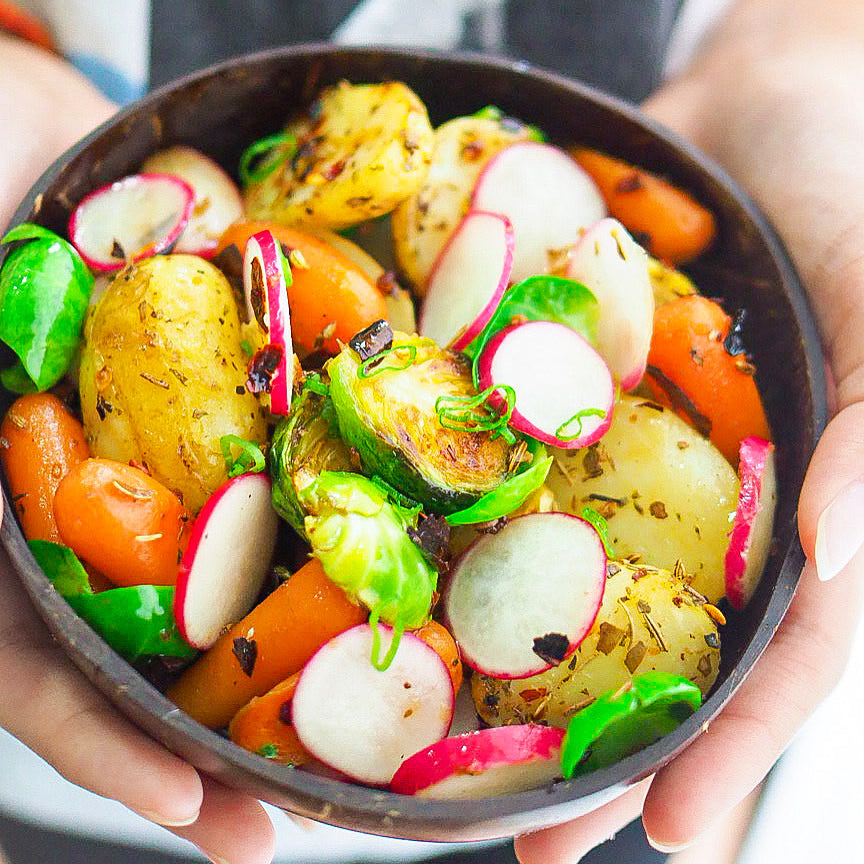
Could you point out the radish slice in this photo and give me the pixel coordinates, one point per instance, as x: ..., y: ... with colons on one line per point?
x: 614, y: 268
x: 224, y: 565
x: 266, y: 289
x: 522, y: 600
x: 753, y: 527
x: 483, y: 764
x: 217, y: 202
x: 362, y: 721
x: 547, y: 197
x: 136, y: 217
x: 564, y: 389
x: 468, y: 280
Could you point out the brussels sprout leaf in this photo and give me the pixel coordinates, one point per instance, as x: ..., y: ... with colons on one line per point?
x: 44, y: 291
x: 136, y: 621
x: 621, y: 722
x: 541, y: 298
x: 362, y: 543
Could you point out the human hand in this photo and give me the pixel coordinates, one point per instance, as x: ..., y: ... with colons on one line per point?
x: 44, y: 700
x: 792, y: 139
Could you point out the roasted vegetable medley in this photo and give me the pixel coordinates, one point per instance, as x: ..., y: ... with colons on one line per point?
x: 400, y: 425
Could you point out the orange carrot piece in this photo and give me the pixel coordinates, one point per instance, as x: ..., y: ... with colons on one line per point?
x: 330, y: 297
x: 439, y: 638
x: 263, y: 725
x: 122, y: 521
x: 670, y: 223
x: 40, y: 442
x: 272, y: 642
x: 690, y: 370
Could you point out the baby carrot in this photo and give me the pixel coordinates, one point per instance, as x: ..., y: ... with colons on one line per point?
x: 121, y: 521
x: 272, y: 642
x: 667, y: 221
x: 438, y: 637
x: 691, y: 369
x: 263, y: 725
x: 330, y: 297
x: 40, y: 442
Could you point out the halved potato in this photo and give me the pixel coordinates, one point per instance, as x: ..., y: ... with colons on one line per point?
x: 162, y: 375
x: 649, y: 621
x: 361, y: 149
x: 667, y: 492
x: 423, y: 223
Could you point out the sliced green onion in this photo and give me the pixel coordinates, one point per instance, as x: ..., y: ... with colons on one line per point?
x: 314, y: 382
x: 262, y: 157
x: 473, y: 414
x: 374, y: 365
x: 577, y: 418
x: 250, y: 459
x: 601, y: 526
x: 398, y: 630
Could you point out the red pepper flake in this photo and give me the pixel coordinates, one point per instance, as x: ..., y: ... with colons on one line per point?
x: 387, y: 284
x: 286, y: 714
x: 331, y: 172
x: 262, y: 368
x: 246, y: 652
x: 630, y: 182
x: 552, y: 647
x: 256, y: 294
x: 532, y: 693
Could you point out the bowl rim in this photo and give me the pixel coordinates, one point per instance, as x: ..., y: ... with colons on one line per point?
x: 372, y: 810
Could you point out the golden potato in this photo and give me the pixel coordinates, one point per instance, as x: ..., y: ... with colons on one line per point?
x: 667, y: 493
x: 649, y: 621
x: 163, y: 376
x: 362, y: 150
x: 423, y: 223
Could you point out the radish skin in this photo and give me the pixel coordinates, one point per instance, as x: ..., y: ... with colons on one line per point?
x: 484, y: 763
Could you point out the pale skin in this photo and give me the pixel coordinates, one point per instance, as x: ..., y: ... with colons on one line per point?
x: 774, y: 98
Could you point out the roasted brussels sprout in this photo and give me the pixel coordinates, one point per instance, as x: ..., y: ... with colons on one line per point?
x: 388, y: 407
x: 304, y: 444
x: 362, y: 542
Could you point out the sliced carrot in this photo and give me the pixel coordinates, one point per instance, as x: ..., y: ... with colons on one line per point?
x: 667, y: 221
x: 690, y: 369
x: 439, y: 638
x: 122, y: 521
x: 40, y: 442
x: 330, y: 296
x: 272, y: 642
x: 263, y: 725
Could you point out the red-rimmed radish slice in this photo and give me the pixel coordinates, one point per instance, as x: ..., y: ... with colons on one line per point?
x: 265, y: 285
x: 133, y: 218
x: 217, y: 202
x: 224, y: 565
x: 363, y: 721
x: 484, y: 763
x: 546, y: 196
x: 520, y: 601
x: 468, y: 279
x: 608, y: 262
x: 753, y: 526
x: 564, y: 389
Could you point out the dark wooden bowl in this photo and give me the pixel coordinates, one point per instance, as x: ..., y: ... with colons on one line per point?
x: 221, y: 110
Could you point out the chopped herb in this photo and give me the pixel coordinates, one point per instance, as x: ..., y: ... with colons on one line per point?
x: 268, y: 751
x: 250, y: 459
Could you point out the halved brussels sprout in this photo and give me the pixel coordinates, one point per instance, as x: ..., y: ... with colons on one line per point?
x: 304, y: 444
x: 388, y: 408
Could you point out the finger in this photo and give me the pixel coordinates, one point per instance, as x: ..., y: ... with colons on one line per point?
x: 800, y: 666
x: 232, y: 828
x: 50, y: 706
x: 569, y: 842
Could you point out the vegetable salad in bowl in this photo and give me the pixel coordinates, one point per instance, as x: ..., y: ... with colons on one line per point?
x: 402, y: 454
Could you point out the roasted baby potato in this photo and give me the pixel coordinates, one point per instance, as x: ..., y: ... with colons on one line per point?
x: 423, y: 222
x: 667, y: 493
x: 361, y: 149
x: 650, y: 620
x: 163, y: 376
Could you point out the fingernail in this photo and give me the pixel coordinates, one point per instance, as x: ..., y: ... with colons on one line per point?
x: 666, y: 848
x: 166, y: 821
x: 840, y: 531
